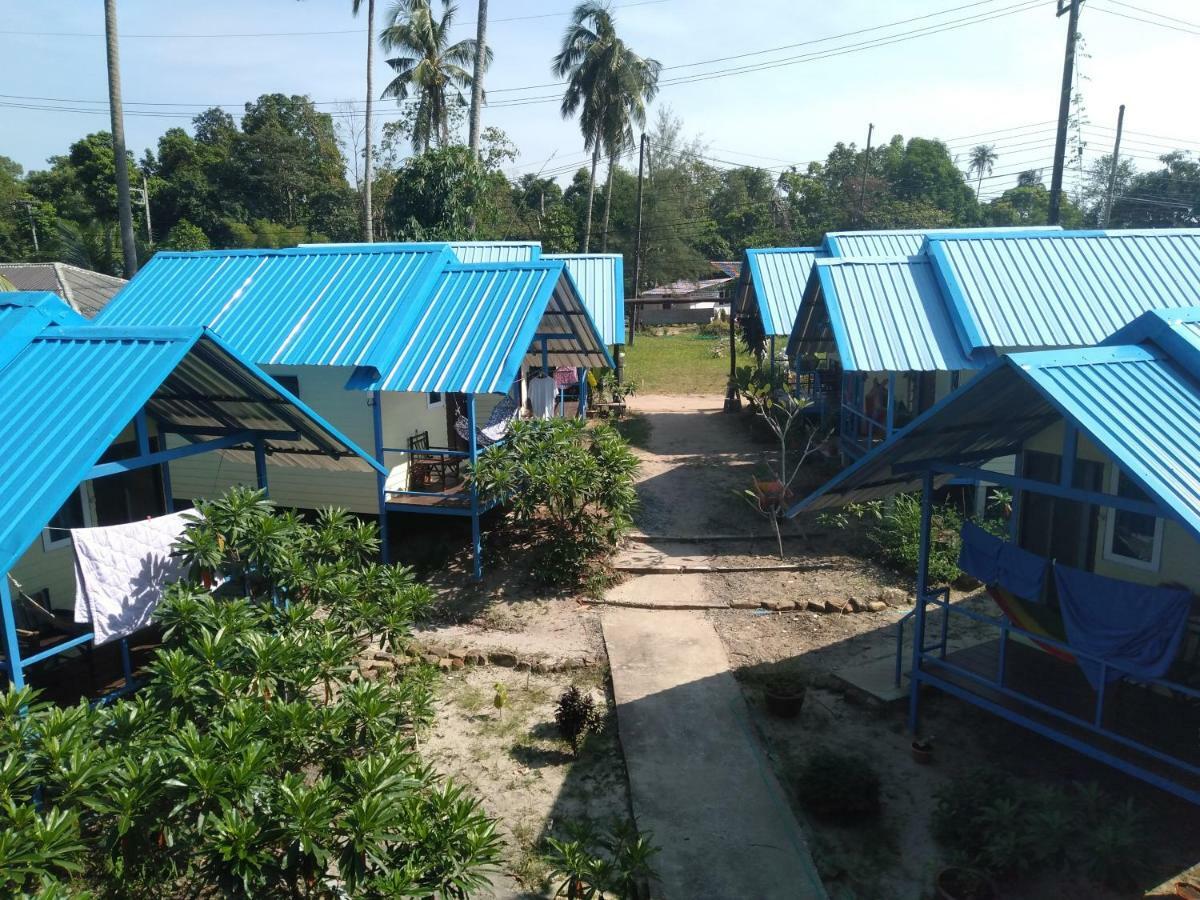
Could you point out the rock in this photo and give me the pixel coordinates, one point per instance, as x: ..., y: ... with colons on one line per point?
x: 876, y: 606
x: 743, y: 604
x: 431, y: 658
x: 445, y: 664
x: 778, y: 605
x: 893, y: 596
x: 833, y: 606
x: 475, y: 658
x: 816, y: 606
x: 457, y: 662
x: 384, y: 656
x: 571, y: 664
x: 857, y: 605
x: 523, y: 665
x: 541, y: 668
x: 457, y: 652
x: 503, y: 658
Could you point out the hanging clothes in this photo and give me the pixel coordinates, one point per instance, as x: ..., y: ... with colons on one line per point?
x: 565, y: 376
x: 1134, y: 626
x: 121, y: 572
x: 542, y: 393
x: 995, y: 561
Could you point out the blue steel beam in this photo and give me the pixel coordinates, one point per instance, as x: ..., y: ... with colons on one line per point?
x: 161, y: 456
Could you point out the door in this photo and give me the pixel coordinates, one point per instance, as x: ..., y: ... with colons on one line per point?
x: 1056, y: 528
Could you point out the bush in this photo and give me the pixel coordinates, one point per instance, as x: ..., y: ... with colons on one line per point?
x: 576, y: 716
x: 614, y: 864
x: 253, y: 761
x: 838, y: 785
x: 570, y: 489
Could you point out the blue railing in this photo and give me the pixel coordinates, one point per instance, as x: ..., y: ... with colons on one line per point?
x: 852, y: 422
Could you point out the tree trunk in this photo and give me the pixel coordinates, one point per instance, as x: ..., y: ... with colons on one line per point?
x: 979, y: 185
x: 587, y: 228
x: 120, y: 160
x: 368, y: 211
x: 477, y: 76
x: 612, y: 162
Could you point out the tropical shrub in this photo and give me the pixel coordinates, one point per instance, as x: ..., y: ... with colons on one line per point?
x: 590, y: 864
x: 576, y: 715
x: 254, y: 760
x: 570, y: 490
x: 837, y: 785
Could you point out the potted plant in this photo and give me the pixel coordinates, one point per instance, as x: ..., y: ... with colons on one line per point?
x: 922, y: 751
x: 961, y: 883
x: 784, y: 695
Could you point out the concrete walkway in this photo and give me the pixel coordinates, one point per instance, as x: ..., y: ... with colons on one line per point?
x: 699, y: 782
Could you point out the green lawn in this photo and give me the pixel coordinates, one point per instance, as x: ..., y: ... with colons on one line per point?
x: 677, y: 364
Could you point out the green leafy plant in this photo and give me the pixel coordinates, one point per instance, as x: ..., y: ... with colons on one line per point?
x: 841, y: 786
x: 576, y: 716
x: 570, y: 490
x: 254, y: 761
x: 589, y: 864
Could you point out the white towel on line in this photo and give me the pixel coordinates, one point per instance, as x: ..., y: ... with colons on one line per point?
x: 542, y: 392
x: 121, y: 572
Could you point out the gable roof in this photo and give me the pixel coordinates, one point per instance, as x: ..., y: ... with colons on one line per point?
x: 1072, y: 288
x: 1155, y: 440
x: 881, y: 315
x: 496, y: 251
x: 86, y: 291
x: 600, y: 280
x: 475, y: 326
x: 775, y: 278
x: 188, y: 381
x: 902, y: 241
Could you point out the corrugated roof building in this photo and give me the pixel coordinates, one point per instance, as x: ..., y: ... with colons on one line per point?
x: 904, y: 242
x: 86, y: 291
x: 600, y: 279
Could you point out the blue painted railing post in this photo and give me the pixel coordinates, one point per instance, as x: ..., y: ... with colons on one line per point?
x: 260, y: 466
x: 141, y: 430
x: 891, y: 405
x: 473, y: 455
x: 380, y: 478
x: 12, y: 646
x: 1070, y: 444
x: 583, y: 392
x: 914, y: 677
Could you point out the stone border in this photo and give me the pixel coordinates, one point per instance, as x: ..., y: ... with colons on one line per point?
x: 885, y: 599
x: 448, y: 659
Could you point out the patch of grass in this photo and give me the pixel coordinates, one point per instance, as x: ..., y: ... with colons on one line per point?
x: 676, y: 364
x: 635, y: 429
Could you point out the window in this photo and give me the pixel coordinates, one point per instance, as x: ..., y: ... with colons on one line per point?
x: 1134, y: 539
x: 434, y: 398
x: 72, y: 514
x: 290, y: 383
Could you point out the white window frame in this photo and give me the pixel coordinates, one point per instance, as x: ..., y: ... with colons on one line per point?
x: 53, y: 539
x: 435, y: 404
x: 1110, y: 525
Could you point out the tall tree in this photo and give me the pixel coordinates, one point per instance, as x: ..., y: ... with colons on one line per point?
x: 607, y: 84
x: 477, y: 75
x: 368, y: 215
x: 128, y: 247
x: 428, y: 66
x: 983, y: 159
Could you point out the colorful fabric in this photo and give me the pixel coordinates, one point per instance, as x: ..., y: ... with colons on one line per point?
x: 565, y: 376
x: 1134, y: 627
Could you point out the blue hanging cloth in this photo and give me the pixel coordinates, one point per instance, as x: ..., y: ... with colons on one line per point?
x: 979, y: 555
x: 1134, y: 626
x: 994, y: 561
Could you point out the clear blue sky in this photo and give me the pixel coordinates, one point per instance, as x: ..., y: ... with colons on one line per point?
x: 1002, y: 73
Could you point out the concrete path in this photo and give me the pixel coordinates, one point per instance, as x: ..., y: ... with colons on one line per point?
x: 663, y: 592
x: 699, y: 782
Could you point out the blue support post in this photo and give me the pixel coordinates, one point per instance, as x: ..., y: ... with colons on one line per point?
x: 164, y: 472
x: 583, y: 392
x: 380, y: 478
x: 545, y: 357
x: 914, y: 678
x: 12, y: 647
x: 142, y: 430
x: 1014, y: 517
x: 891, y: 405
x: 260, y: 466
x: 473, y: 455
x: 1070, y: 444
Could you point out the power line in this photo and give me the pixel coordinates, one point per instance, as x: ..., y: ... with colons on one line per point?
x: 1180, y: 29
x: 1154, y: 13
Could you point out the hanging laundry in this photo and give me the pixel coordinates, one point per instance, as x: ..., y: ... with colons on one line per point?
x: 565, y: 376
x: 1134, y: 626
x: 979, y: 555
x: 121, y: 572
x: 542, y: 393
x: 993, y: 560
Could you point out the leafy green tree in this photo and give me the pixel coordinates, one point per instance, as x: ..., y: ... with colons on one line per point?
x: 981, y: 162
x: 428, y: 66
x: 1168, y: 197
x: 607, y: 84
x: 1029, y: 204
x: 185, y: 236
x: 437, y: 195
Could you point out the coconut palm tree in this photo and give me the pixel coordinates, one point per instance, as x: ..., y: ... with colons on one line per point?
x: 983, y: 158
x: 477, y: 76
x: 120, y: 158
x: 368, y: 217
x: 607, y: 84
x: 429, y: 67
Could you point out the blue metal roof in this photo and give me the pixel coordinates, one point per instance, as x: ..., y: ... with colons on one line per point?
x: 880, y: 315
x: 478, y: 322
x: 776, y: 277
x: 903, y: 242
x: 47, y: 305
x: 317, y: 305
x: 185, y: 378
x: 1139, y: 404
x: 496, y: 251
x: 600, y: 279
x: 1035, y: 290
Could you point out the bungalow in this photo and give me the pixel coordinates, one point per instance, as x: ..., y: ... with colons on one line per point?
x: 880, y: 340
x: 1097, y: 630
x: 97, y: 445
x: 403, y: 347
x: 85, y: 291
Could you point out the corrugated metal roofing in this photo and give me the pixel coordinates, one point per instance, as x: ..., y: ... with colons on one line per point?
x: 86, y: 291
x: 1066, y: 289
x: 1155, y: 440
x: 319, y: 305
x: 776, y: 278
x: 496, y: 251
x: 101, y: 378
x: 477, y: 324
x: 884, y: 315
x: 48, y: 306
x: 600, y: 279
x: 902, y: 242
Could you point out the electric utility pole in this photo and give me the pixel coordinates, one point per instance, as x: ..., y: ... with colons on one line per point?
x: 1112, y: 175
x: 144, y: 195
x: 637, y: 251
x: 862, y: 196
x: 28, y: 206
x: 1071, y: 8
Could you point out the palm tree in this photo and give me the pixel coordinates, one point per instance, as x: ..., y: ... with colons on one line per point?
x: 607, y: 84
x: 430, y: 67
x: 983, y: 158
x: 477, y: 76
x: 368, y: 217
x: 120, y: 158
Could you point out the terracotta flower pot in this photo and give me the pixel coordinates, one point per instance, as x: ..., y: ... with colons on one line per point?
x: 959, y: 883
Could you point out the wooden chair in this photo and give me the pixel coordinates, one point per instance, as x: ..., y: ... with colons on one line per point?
x: 425, y: 469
